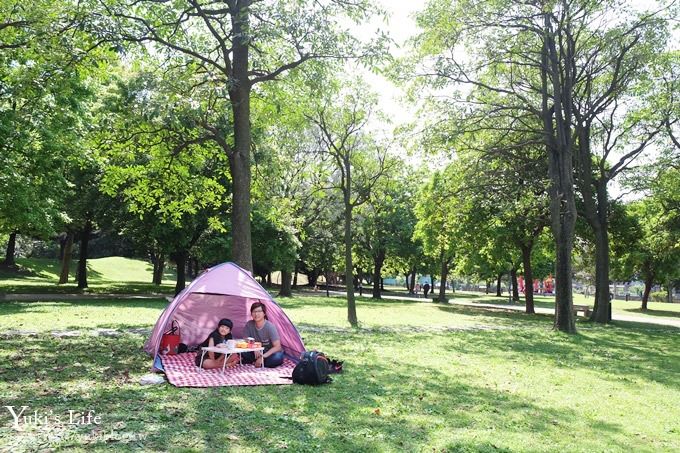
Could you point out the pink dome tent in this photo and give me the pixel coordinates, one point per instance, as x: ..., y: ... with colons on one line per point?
x: 223, y: 291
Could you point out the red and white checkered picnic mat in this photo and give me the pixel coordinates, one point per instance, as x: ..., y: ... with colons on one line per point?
x: 182, y: 371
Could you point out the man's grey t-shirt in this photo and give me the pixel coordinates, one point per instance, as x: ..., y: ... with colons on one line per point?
x: 266, y: 335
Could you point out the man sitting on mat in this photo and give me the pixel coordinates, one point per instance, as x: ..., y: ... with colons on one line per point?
x: 265, y: 332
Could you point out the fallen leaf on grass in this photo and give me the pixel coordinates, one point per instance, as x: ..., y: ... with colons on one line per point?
x: 376, y: 411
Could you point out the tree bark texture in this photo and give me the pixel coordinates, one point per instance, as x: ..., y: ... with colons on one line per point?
x: 595, y: 208
x: 313, y: 278
x: 378, y: 260
x: 158, y: 269
x: 180, y: 259
x: 649, y: 282
x: 528, y: 279
x: 66, y: 259
x: 239, y: 158
x: 286, y: 279
x: 559, y: 144
x: 600, y: 225
x: 82, y: 259
x: 499, y: 289
x: 515, y: 289
x: 11, y: 249
x: 349, y: 266
x: 442, y: 283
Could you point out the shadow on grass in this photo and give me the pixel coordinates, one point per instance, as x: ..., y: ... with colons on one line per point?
x: 663, y: 313
x: 379, y: 404
x: 519, y: 318
x: 622, y: 350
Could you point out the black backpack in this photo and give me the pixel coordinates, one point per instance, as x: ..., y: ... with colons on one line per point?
x: 312, y: 369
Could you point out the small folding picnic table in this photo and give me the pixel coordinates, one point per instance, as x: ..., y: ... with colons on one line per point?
x: 238, y: 351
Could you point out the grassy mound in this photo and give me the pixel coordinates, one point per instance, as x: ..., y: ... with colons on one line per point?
x: 112, y: 274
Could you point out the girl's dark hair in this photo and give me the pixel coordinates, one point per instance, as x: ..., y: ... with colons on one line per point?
x: 225, y: 322
x: 259, y: 305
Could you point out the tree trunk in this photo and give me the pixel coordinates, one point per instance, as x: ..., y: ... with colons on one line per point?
x: 557, y: 127
x: 499, y: 290
x: 412, y: 288
x: 154, y: 261
x: 564, y: 315
x: 62, y: 244
x: 239, y: 159
x: 528, y: 279
x: 286, y: 278
x: 82, y: 259
x: 382, y: 284
x: 515, y: 289
x: 11, y: 250
x: 378, y: 261
x: 66, y: 259
x: 601, y: 312
x: 442, y: 283
x: 349, y: 267
x: 180, y: 259
x: 269, y: 280
x: 649, y: 282
x: 595, y: 209
x: 295, y: 275
x: 189, y: 267
x: 313, y: 278
x: 158, y: 269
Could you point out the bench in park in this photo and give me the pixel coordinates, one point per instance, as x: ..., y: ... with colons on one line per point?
x: 584, y: 308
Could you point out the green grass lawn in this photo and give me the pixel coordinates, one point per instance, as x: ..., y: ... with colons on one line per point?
x: 104, y: 275
x: 418, y: 377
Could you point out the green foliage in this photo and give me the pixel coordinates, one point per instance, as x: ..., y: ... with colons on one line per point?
x: 648, y: 248
x: 46, y: 62
x: 438, y: 214
x: 385, y: 224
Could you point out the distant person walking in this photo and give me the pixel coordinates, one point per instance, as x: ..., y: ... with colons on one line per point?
x: 426, y: 289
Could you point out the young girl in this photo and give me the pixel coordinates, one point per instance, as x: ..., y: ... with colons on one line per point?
x: 218, y: 336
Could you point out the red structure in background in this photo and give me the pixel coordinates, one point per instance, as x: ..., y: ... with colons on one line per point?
x: 548, y: 285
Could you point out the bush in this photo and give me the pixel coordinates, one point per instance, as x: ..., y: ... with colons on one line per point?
x: 658, y: 296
